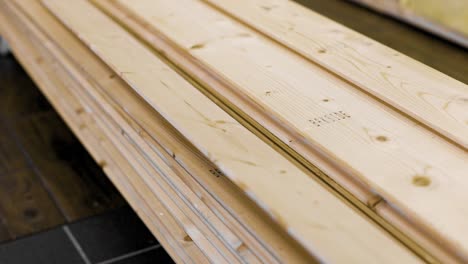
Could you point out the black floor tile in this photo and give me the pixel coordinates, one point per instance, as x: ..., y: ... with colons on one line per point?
x: 51, y: 247
x: 155, y: 256
x: 112, y: 234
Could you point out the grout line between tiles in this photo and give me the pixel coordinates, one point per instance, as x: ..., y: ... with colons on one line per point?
x: 129, y: 255
x: 80, y: 250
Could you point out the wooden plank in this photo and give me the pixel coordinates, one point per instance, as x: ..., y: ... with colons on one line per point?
x: 432, y: 98
x: 385, y: 138
x: 95, y: 149
x: 115, y: 85
x: 434, y: 52
x: 146, y: 75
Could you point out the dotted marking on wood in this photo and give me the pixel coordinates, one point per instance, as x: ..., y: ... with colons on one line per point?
x: 329, y: 118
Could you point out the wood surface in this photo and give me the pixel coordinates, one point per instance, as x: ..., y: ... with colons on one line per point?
x: 425, y: 48
x: 148, y: 73
x: 374, y: 207
x: 432, y: 98
x: 401, y: 135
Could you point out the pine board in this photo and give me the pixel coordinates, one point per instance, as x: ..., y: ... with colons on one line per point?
x: 421, y: 92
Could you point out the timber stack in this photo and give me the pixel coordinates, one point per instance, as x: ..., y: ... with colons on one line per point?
x: 256, y: 131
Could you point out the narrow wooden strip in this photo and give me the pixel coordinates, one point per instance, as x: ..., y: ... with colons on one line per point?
x: 209, y: 129
x: 390, y: 159
x: 425, y: 94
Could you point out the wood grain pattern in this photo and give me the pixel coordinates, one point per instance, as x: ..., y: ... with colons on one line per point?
x: 391, y: 219
x: 374, y: 129
x: 423, y: 93
x: 200, y: 124
x: 434, y: 52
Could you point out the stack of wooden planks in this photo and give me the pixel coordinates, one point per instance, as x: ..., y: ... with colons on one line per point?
x: 256, y: 131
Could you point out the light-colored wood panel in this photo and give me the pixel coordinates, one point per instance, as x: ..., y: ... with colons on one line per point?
x: 391, y: 157
x: 425, y: 94
x: 212, y: 130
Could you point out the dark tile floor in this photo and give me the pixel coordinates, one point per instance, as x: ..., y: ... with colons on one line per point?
x: 47, y: 178
x: 117, y: 236
x: 56, y: 204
